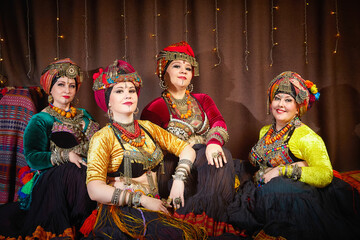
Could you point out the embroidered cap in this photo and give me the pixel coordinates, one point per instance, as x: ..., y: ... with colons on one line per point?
x: 60, y: 68
x: 303, y: 91
x: 177, y: 51
x: 119, y: 71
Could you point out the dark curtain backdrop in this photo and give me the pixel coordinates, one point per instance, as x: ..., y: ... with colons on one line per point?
x: 95, y: 32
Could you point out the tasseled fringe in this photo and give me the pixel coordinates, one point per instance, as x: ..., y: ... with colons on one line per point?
x: 89, y: 223
x: 134, y: 226
x: 121, y: 219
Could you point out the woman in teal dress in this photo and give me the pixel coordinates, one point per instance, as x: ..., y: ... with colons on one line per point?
x: 55, y: 202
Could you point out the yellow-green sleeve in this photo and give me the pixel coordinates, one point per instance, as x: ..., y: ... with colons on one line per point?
x: 307, y: 145
x: 264, y: 130
x: 166, y: 140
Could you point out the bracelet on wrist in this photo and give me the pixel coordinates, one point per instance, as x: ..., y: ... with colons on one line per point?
x: 136, y: 199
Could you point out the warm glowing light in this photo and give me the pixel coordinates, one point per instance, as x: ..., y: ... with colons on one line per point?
x: 276, y: 7
x: 275, y: 28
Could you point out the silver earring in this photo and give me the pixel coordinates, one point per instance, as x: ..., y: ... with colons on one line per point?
x: 110, y: 113
x: 162, y: 84
x: 190, y: 87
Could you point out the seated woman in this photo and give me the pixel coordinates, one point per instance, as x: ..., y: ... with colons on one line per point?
x: 195, y: 119
x: 123, y: 159
x: 295, y: 194
x: 55, y: 201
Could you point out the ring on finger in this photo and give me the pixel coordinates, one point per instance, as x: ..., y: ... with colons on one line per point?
x: 177, y: 201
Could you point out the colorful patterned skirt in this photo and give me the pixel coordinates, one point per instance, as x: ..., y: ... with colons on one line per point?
x: 59, y: 205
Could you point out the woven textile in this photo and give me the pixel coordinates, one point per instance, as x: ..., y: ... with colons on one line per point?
x: 16, y: 109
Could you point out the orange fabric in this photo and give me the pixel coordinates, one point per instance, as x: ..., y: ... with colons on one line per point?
x: 212, y: 228
x: 352, y: 177
x: 40, y: 233
x: 263, y: 236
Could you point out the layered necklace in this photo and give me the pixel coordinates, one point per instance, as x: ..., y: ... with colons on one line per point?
x: 130, y: 137
x: 271, y: 140
x: 169, y: 99
x: 68, y: 114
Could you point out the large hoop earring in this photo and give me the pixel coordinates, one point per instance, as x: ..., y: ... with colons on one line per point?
x: 190, y: 87
x: 110, y: 114
x: 136, y: 110
x: 162, y: 84
x: 50, y: 99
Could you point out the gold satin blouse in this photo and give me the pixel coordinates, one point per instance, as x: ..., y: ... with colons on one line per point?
x: 106, y: 154
x: 305, y: 144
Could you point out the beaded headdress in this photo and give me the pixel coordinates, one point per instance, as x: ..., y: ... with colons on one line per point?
x: 177, y: 51
x: 119, y: 71
x: 60, y: 68
x: 303, y: 91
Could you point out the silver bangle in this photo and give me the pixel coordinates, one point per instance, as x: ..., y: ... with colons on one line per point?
x: 136, y: 199
x: 116, y: 195
x: 179, y: 176
x: 186, y: 162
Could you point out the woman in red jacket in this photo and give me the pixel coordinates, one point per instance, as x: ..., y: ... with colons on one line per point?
x: 194, y: 118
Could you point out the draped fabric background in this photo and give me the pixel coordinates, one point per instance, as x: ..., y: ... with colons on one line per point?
x: 95, y: 33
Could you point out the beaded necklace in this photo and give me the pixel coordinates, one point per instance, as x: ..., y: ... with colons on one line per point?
x: 130, y: 137
x: 68, y: 114
x: 270, y: 140
x: 173, y: 105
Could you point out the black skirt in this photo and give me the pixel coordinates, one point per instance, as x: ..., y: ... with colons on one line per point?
x: 208, y: 191
x: 59, y: 205
x: 296, y: 210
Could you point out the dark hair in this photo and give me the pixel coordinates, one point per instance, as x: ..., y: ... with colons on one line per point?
x: 107, y: 95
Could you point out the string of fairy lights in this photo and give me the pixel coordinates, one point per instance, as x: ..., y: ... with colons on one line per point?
x: 273, y: 29
x: 337, y: 36
x: 246, y: 52
x: 86, y: 40
x: 305, y: 32
x: 123, y: 15
x: 216, y: 31
x: 28, y: 37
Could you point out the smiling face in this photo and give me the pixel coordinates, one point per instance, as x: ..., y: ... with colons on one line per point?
x: 178, y: 75
x: 284, y: 109
x: 123, y: 101
x: 63, y: 92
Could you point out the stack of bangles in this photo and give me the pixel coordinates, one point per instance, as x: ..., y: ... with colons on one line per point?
x: 181, y: 172
x: 121, y: 197
x: 59, y: 156
x: 290, y: 171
